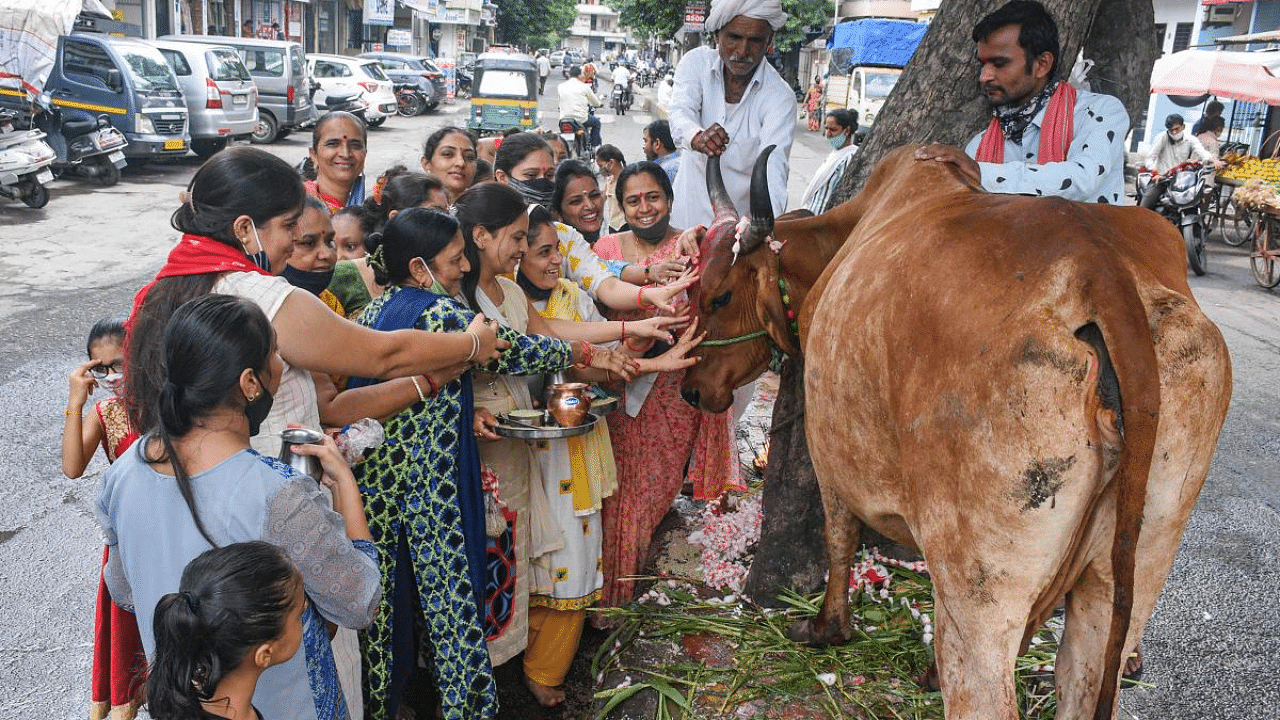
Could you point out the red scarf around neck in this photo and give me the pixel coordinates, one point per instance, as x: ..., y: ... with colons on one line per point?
x: 1055, y: 134
x: 196, y: 255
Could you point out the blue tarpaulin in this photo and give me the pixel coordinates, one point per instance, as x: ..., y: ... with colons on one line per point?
x: 888, y: 43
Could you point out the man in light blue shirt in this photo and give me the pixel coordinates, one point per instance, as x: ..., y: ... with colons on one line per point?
x: 661, y: 149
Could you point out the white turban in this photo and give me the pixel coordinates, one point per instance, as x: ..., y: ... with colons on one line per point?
x: 723, y: 11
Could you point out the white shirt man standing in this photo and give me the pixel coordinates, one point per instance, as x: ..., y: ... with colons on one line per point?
x: 727, y: 101
x: 544, y: 71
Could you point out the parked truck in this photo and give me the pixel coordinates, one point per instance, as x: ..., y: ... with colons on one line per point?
x: 867, y: 57
x: 55, y: 59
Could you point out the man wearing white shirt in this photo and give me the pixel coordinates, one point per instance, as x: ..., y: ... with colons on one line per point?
x: 622, y: 76
x: 728, y: 102
x: 576, y: 98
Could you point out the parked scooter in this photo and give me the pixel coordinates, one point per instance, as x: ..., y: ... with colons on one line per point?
x: 1183, y: 203
x: 82, y: 143
x: 24, y: 162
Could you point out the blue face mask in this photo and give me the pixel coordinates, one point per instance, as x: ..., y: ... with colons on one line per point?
x: 259, y: 258
x: 837, y: 141
x: 314, y: 282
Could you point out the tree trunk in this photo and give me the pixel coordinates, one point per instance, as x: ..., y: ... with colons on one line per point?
x: 934, y: 102
x: 791, y: 552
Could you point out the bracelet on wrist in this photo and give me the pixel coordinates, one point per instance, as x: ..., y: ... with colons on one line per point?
x: 638, y: 348
x: 432, y: 384
x: 641, y: 303
x: 624, y: 330
x: 475, y: 345
x: 421, y: 396
x: 68, y: 412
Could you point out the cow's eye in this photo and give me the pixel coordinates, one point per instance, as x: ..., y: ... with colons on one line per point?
x: 721, y: 300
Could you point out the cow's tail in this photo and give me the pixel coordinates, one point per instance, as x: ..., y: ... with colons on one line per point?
x: 1121, y: 334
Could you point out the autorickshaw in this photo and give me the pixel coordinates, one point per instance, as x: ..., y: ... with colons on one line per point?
x: 504, y: 93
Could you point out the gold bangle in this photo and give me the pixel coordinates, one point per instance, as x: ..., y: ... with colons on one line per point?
x: 77, y: 413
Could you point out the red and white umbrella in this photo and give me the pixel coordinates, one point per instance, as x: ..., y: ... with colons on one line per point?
x: 1236, y: 75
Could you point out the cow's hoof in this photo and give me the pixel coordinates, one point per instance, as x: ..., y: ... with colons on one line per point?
x: 929, y: 680
x: 808, y: 632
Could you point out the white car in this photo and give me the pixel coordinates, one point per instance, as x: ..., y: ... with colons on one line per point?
x: 339, y: 73
x: 557, y: 58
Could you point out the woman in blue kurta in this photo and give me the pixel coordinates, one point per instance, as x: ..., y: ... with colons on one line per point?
x: 422, y: 485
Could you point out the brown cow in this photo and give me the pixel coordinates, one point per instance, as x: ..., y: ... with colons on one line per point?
x: 1022, y: 388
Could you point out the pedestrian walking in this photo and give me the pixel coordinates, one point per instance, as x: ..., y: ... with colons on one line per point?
x: 544, y: 70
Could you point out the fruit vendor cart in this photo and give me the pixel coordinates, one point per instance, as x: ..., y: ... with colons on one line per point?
x: 1260, y: 200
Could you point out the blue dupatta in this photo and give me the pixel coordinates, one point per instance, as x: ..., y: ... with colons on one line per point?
x: 400, y: 312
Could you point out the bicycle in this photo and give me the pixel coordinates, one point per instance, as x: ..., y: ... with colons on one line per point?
x: 1265, y: 258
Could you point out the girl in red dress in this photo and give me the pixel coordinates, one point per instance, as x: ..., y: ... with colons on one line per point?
x: 119, y: 665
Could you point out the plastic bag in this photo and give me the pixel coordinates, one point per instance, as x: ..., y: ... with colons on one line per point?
x: 359, y: 437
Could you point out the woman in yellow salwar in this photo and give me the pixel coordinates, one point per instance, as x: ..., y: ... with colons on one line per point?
x: 573, y: 475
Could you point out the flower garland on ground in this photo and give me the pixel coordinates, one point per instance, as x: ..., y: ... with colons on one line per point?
x: 727, y: 541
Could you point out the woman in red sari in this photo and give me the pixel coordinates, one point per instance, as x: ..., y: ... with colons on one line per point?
x: 119, y: 665
x: 655, y: 433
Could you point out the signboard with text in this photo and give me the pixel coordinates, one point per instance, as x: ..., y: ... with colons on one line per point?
x: 379, y: 12
x: 695, y: 16
x: 399, y: 38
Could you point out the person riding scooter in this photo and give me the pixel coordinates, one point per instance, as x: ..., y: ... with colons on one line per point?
x: 1170, y: 149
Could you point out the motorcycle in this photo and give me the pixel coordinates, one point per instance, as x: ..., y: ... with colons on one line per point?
x: 409, y: 100
x: 620, y: 99
x: 24, y: 162
x: 1182, y: 202
x: 575, y: 136
x: 82, y: 144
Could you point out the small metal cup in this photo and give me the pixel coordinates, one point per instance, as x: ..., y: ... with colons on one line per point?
x: 305, y: 464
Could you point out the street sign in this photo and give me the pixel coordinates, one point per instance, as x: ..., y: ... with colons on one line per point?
x: 399, y: 38
x: 695, y: 16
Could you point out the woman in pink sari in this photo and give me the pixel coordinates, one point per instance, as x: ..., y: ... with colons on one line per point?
x: 655, y: 433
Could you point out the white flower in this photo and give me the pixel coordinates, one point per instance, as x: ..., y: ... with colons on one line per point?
x: 927, y: 638
x: 827, y: 679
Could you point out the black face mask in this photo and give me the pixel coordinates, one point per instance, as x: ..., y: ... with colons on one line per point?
x: 257, y: 409
x: 655, y: 232
x: 537, y: 191
x: 312, y: 281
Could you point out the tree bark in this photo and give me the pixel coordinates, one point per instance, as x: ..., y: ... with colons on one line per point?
x: 791, y: 552
x: 934, y: 101
x: 937, y: 98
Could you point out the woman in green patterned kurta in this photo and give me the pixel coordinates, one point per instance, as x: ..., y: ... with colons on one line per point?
x: 422, y: 486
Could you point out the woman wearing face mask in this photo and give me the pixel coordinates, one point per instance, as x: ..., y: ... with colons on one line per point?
x: 193, y: 483
x: 423, y: 484
x: 585, y: 466
x: 339, y: 144
x: 578, y: 202
x: 524, y: 162
x: 839, y: 128
x: 450, y: 154
x: 240, y: 220
x: 656, y: 434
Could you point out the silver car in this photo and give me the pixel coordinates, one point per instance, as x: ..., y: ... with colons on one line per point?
x: 222, y: 100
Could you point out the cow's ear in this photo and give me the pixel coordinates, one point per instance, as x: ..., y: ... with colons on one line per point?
x: 772, y: 312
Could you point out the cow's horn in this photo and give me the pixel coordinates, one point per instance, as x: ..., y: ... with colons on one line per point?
x: 761, y: 204
x: 721, y: 205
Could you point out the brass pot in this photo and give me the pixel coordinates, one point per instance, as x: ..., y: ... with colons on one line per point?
x: 569, y: 403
